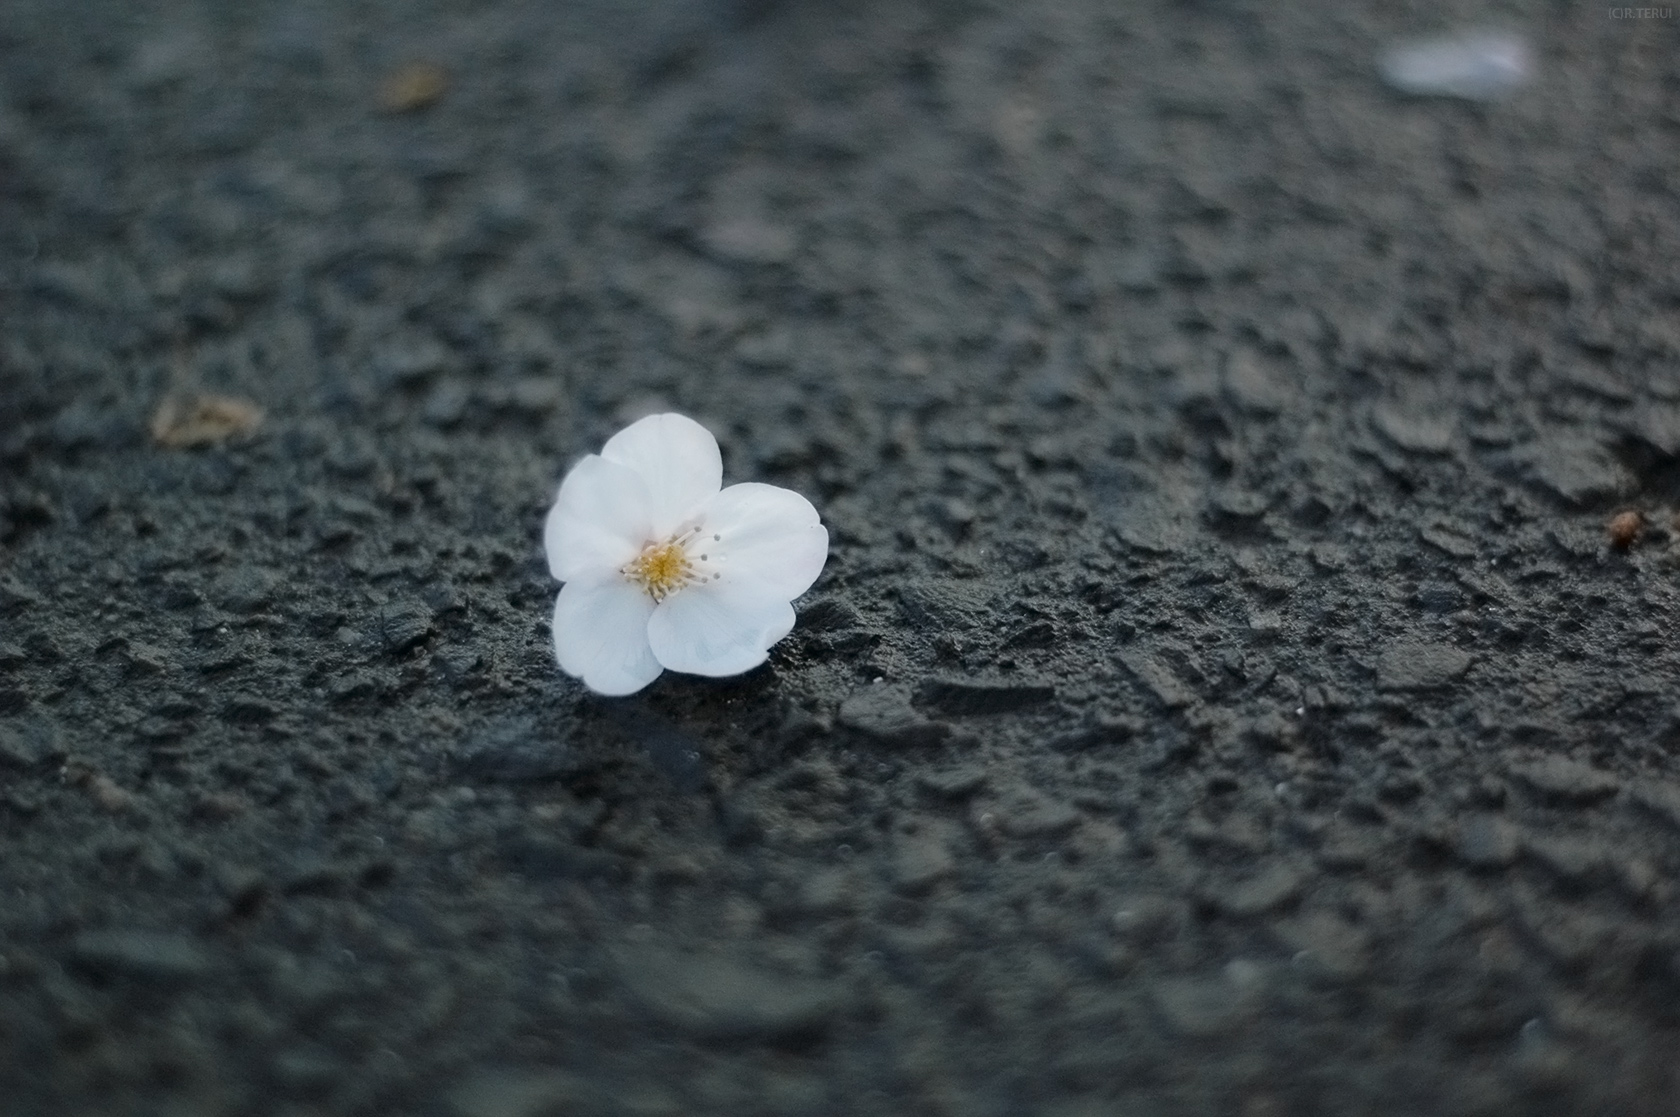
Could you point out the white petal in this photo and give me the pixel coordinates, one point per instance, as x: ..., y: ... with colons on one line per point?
x: 679, y: 461
x: 711, y: 630
x: 771, y: 540
x: 1477, y: 66
x: 601, y: 635
x: 600, y: 521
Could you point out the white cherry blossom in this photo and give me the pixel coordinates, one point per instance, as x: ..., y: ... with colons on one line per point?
x: 665, y: 568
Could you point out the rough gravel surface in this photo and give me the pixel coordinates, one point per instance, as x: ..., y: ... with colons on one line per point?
x: 1223, y: 696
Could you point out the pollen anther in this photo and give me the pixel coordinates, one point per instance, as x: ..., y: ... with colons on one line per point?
x: 662, y: 568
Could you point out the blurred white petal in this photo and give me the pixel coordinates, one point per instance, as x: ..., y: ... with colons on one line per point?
x: 677, y: 458
x: 599, y: 522
x: 601, y: 635
x: 1475, y: 66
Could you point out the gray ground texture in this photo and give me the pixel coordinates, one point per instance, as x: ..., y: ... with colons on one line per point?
x: 1222, y: 696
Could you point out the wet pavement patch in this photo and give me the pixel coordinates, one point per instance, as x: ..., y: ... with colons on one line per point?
x: 1242, y: 680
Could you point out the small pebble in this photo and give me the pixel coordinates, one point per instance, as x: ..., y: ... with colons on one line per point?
x: 1416, y: 665
x: 1487, y: 842
x: 153, y: 955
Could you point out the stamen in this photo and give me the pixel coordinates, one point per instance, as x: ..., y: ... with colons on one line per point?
x: 664, y: 568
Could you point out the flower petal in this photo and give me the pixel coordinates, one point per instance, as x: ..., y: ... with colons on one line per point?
x: 679, y: 461
x: 600, y: 521
x: 601, y: 635
x: 714, y: 630
x: 771, y: 540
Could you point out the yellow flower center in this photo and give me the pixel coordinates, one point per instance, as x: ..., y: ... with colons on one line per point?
x: 662, y: 568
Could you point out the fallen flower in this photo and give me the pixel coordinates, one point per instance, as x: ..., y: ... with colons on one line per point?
x: 1475, y: 66
x: 666, y: 569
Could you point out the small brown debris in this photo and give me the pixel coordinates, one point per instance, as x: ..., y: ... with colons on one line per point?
x: 205, y: 420
x: 102, y: 789
x: 1624, y: 529
x: 107, y: 794
x: 412, y: 87
x: 219, y: 806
